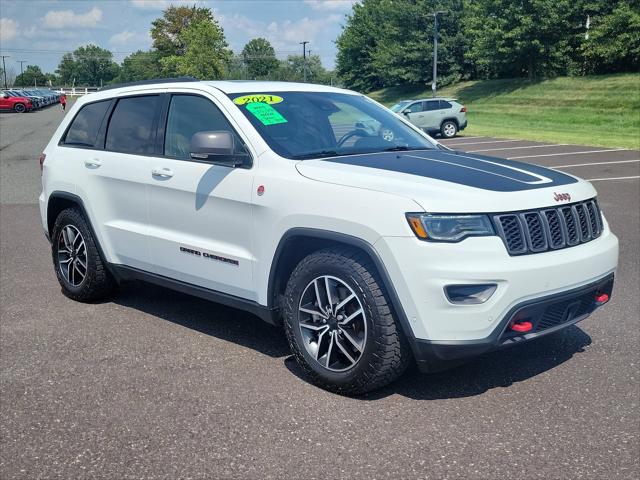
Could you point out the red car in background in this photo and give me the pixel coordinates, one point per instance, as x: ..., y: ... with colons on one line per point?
x: 10, y: 101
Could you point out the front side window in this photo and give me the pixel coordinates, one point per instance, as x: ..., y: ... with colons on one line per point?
x: 415, y: 107
x: 189, y: 114
x: 86, y: 125
x: 131, y: 128
x: 300, y: 125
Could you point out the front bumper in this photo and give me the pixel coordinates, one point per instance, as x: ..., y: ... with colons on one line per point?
x: 547, y: 314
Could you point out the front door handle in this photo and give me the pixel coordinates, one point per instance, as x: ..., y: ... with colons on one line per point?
x: 162, y: 172
x: 92, y: 163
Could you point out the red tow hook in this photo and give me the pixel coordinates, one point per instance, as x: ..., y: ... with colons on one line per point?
x: 521, y: 327
x: 602, y: 298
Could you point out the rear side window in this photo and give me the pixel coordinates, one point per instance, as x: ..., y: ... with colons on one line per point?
x: 432, y: 105
x: 131, y: 128
x: 189, y: 114
x: 85, y: 127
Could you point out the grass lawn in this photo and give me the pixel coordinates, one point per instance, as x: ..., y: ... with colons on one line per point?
x: 598, y: 110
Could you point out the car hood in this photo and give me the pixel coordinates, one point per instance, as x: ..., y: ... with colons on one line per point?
x: 450, y: 182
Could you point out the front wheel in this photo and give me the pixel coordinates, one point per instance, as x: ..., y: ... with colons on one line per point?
x: 449, y: 129
x: 340, y: 325
x: 19, y: 108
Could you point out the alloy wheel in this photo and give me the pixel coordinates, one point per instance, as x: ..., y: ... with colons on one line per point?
x: 72, y: 255
x: 332, y: 323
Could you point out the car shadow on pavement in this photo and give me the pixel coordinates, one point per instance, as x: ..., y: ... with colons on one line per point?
x: 229, y: 324
x: 493, y: 370
x: 497, y: 369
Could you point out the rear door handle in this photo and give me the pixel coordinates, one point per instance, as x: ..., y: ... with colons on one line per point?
x: 162, y: 172
x: 93, y: 163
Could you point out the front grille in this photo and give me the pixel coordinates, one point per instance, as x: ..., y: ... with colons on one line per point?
x: 541, y: 230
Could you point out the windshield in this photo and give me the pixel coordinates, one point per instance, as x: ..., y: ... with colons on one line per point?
x: 300, y: 125
x: 399, y: 106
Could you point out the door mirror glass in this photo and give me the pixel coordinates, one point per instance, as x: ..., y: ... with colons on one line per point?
x: 406, y: 111
x: 218, y: 147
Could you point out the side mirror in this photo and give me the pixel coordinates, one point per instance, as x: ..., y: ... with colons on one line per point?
x: 407, y: 111
x: 217, y: 147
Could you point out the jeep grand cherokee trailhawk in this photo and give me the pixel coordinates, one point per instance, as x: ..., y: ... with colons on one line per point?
x: 318, y: 209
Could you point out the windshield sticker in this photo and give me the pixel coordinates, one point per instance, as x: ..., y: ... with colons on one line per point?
x: 266, y: 113
x: 257, y: 98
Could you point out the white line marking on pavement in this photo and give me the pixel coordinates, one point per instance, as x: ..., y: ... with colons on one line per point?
x: 611, y: 178
x: 594, y: 163
x: 460, y: 138
x: 516, y: 148
x: 570, y: 153
x: 479, y: 143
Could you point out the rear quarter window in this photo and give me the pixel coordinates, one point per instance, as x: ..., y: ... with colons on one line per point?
x: 444, y: 104
x: 84, y: 128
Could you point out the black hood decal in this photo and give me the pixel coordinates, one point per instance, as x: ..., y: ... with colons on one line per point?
x: 477, y: 171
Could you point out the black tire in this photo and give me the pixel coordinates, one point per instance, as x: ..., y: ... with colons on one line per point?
x: 20, y: 108
x: 97, y: 282
x: 449, y: 129
x: 386, y: 353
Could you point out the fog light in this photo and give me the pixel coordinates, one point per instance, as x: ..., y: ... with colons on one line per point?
x: 469, y: 294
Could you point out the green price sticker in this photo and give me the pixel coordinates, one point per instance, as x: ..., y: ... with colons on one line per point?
x: 265, y: 113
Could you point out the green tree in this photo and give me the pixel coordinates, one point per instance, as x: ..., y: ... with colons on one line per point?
x: 167, y: 31
x: 613, y: 43
x: 389, y: 42
x: 260, y: 58
x: 88, y: 65
x: 206, y: 52
x: 31, y: 76
x: 67, y: 69
x: 292, y: 70
x: 141, y: 65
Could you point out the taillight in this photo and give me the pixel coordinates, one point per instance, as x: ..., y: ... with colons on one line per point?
x: 463, y: 110
x: 41, y: 160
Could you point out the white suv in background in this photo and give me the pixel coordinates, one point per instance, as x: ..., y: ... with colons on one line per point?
x: 444, y: 116
x: 372, y: 247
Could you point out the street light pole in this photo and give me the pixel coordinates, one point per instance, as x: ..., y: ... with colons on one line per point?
x: 4, y: 70
x: 21, y: 72
x: 435, y: 51
x: 304, y: 59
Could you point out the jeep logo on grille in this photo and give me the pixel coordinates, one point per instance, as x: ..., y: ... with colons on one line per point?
x: 561, y: 197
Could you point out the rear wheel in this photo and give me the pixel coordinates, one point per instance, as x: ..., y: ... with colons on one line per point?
x: 19, y: 108
x: 339, y: 323
x: 80, y: 270
x: 449, y: 129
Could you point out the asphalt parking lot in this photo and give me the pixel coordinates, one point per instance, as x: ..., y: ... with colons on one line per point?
x: 156, y: 384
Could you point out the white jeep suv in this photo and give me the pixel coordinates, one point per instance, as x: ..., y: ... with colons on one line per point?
x: 320, y: 210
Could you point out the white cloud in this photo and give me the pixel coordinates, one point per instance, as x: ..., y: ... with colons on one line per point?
x: 283, y: 35
x: 8, y: 29
x: 59, y: 19
x: 163, y: 4
x: 330, y: 4
x: 121, y: 38
x: 151, y: 4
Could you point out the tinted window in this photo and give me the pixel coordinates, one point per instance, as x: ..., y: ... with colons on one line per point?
x: 84, y: 128
x: 189, y: 114
x: 432, y: 105
x: 131, y: 125
x: 444, y: 104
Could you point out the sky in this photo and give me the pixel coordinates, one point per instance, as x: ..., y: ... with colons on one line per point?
x: 40, y: 31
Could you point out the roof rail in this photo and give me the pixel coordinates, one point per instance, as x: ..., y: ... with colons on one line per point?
x: 149, y: 82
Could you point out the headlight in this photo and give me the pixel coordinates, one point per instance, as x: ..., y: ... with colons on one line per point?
x: 449, y: 228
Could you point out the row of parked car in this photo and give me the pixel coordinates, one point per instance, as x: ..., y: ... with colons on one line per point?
x: 24, y: 100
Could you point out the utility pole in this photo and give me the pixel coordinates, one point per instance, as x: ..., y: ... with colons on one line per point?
x: 4, y: 70
x: 304, y: 59
x: 21, y: 72
x: 435, y: 50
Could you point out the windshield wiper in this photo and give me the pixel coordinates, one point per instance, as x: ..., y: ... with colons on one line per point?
x: 318, y: 154
x: 404, y: 148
